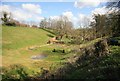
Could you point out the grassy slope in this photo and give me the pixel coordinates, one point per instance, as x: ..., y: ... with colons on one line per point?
x: 15, y: 41
x: 19, y: 37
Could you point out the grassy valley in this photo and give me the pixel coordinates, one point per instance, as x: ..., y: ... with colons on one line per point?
x: 41, y: 41
x: 20, y: 44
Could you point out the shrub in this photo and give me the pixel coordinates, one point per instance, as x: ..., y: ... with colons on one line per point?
x: 14, y: 73
x: 10, y: 24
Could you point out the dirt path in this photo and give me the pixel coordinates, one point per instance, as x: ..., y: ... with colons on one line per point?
x: 44, y: 45
x: 34, y: 47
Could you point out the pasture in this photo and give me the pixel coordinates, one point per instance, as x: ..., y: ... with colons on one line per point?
x: 20, y: 44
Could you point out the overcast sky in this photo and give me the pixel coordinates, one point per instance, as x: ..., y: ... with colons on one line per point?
x: 76, y: 11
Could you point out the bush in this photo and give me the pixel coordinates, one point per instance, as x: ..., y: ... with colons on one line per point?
x: 14, y: 73
x: 76, y: 41
x: 10, y: 24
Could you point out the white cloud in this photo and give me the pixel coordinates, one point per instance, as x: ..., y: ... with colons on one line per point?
x: 83, y: 20
x: 27, y: 12
x: 69, y: 15
x: 101, y: 10
x: 55, y: 17
x: 86, y: 3
x: 5, y: 8
x: 32, y: 8
x: 20, y: 15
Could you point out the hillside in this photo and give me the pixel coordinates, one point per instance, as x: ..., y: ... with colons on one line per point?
x: 19, y: 37
x: 16, y: 53
x: 16, y: 42
x: 18, y: 48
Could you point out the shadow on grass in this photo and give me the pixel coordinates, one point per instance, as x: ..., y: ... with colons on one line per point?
x: 50, y: 35
x: 48, y: 30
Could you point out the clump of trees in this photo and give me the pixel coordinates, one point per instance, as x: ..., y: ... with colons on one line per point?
x: 62, y: 26
x: 107, y: 24
x: 7, y: 19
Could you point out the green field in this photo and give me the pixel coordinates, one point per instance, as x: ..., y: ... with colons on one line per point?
x: 17, y: 41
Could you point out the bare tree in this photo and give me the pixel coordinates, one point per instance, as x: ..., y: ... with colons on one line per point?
x: 43, y: 23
